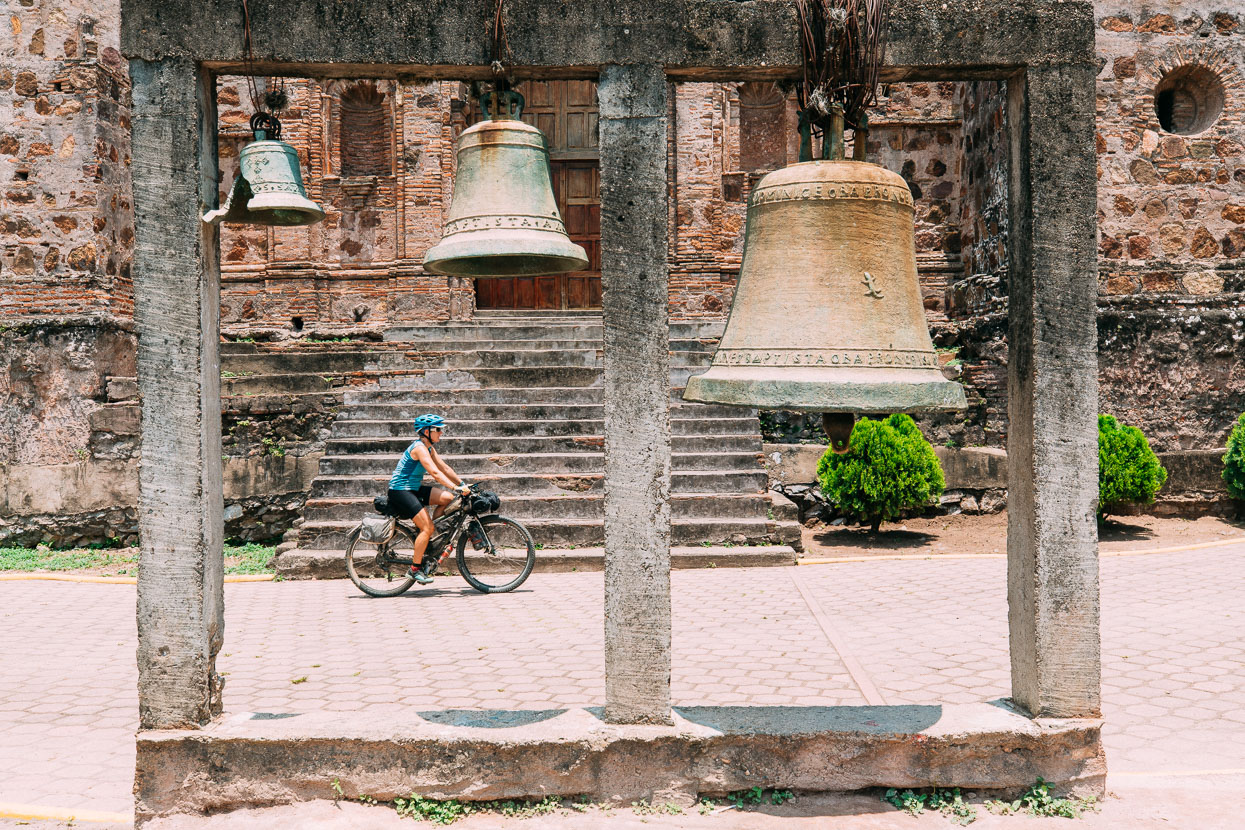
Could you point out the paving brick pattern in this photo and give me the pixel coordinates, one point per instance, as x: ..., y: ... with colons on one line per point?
x: 916, y: 631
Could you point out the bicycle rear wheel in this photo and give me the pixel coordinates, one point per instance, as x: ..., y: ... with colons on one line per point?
x: 505, y: 559
x: 373, y: 568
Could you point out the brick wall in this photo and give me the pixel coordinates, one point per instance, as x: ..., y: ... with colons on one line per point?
x: 66, y: 224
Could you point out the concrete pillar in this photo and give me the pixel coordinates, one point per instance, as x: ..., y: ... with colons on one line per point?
x: 637, y: 393
x: 1052, y: 570
x: 177, y: 311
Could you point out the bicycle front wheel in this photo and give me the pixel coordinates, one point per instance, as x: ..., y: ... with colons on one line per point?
x: 376, y: 569
x: 504, y: 558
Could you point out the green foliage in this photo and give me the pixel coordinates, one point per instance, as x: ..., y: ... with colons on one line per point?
x: 273, y: 447
x: 1128, y: 470
x: 758, y: 795
x: 1038, y: 801
x: 428, y: 809
x: 889, y: 467
x: 1234, y: 460
x: 945, y: 800
x: 253, y: 558
x: 652, y: 808
x: 46, y: 559
x: 521, y: 808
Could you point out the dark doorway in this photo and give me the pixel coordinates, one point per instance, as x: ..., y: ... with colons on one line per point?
x: 566, y: 111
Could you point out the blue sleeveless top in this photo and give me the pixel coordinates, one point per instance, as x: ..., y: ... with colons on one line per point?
x: 409, y: 474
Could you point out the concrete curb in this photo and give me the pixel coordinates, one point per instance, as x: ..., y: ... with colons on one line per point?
x: 683, y: 558
x: 835, y: 560
x: 115, y: 580
x: 244, y: 760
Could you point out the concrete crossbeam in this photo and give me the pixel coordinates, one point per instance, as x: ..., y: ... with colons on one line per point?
x: 177, y: 310
x: 723, y: 39
x: 635, y: 297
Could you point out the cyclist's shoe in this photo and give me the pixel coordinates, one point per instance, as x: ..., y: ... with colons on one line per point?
x: 418, y: 575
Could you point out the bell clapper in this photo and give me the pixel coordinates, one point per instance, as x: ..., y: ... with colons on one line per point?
x: 838, y: 428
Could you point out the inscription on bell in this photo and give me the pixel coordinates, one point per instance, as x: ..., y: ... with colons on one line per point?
x: 864, y: 358
x: 833, y: 191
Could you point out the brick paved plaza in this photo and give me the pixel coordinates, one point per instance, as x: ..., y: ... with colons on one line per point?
x: 891, y: 632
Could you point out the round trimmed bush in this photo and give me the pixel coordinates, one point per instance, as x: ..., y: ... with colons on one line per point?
x: 1234, y: 460
x: 1128, y: 470
x: 889, y: 467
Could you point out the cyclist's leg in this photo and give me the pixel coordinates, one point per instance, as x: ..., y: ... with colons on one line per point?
x: 439, y: 498
x: 423, y: 522
x: 406, y: 504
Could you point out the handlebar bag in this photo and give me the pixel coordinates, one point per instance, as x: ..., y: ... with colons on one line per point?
x: 486, y: 502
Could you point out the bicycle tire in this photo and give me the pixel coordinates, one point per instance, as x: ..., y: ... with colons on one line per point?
x: 371, y: 580
x: 480, y: 568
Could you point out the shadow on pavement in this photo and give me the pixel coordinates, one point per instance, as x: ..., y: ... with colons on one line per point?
x: 853, y: 537
x: 489, y: 718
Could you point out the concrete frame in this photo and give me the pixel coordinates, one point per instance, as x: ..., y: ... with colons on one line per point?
x: 1044, y: 49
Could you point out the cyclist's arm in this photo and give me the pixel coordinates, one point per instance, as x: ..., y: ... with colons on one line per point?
x: 445, y: 468
x: 432, y: 467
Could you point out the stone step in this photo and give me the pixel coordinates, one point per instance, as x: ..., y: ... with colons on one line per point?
x: 501, y: 329
x: 536, y: 427
x: 537, y: 358
x: 515, y: 377
x: 473, y: 466
x: 569, y: 506
x: 292, y: 383
x: 506, y: 445
x: 691, y: 344
x: 322, y: 362
x: 500, y: 395
x: 743, y: 482
x: 552, y: 533
x: 305, y: 563
x: 521, y: 410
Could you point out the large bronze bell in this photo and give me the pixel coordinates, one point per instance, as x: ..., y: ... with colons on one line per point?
x: 828, y: 315
x: 503, y: 219
x: 269, y: 187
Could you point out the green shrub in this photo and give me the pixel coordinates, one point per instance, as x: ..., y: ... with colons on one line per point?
x: 1128, y: 470
x: 889, y: 467
x: 1234, y: 460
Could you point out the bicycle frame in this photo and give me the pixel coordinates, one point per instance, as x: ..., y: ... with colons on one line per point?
x: 455, y: 527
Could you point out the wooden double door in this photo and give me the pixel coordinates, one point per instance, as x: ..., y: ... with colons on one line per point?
x: 566, y: 111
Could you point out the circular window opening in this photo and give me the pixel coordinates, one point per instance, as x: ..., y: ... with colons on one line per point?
x: 1188, y: 100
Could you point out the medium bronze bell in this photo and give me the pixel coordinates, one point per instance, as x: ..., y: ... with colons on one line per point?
x: 828, y: 315
x: 269, y: 187
x: 503, y: 219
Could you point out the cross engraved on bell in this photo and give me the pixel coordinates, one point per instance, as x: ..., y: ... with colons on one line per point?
x: 870, y: 288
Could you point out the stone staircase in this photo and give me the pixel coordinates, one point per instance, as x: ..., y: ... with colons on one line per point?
x: 523, y: 396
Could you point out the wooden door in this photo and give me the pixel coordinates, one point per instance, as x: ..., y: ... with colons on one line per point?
x: 566, y: 112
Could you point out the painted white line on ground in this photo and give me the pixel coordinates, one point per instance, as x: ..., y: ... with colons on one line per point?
x: 861, y: 678
x: 31, y: 812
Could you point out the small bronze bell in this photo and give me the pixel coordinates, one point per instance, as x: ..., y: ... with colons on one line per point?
x: 503, y: 219
x: 828, y: 315
x: 269, y: 187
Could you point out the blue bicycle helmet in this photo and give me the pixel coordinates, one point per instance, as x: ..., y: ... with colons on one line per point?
x: 428, y: 421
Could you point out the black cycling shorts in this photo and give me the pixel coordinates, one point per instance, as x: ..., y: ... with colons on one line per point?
x: 405, y: 504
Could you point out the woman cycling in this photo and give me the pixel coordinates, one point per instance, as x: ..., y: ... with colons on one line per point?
x: 410, y: 498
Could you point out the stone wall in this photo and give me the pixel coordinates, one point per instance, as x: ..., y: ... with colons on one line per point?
x: 378, y: 156
x: 66, y: 223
